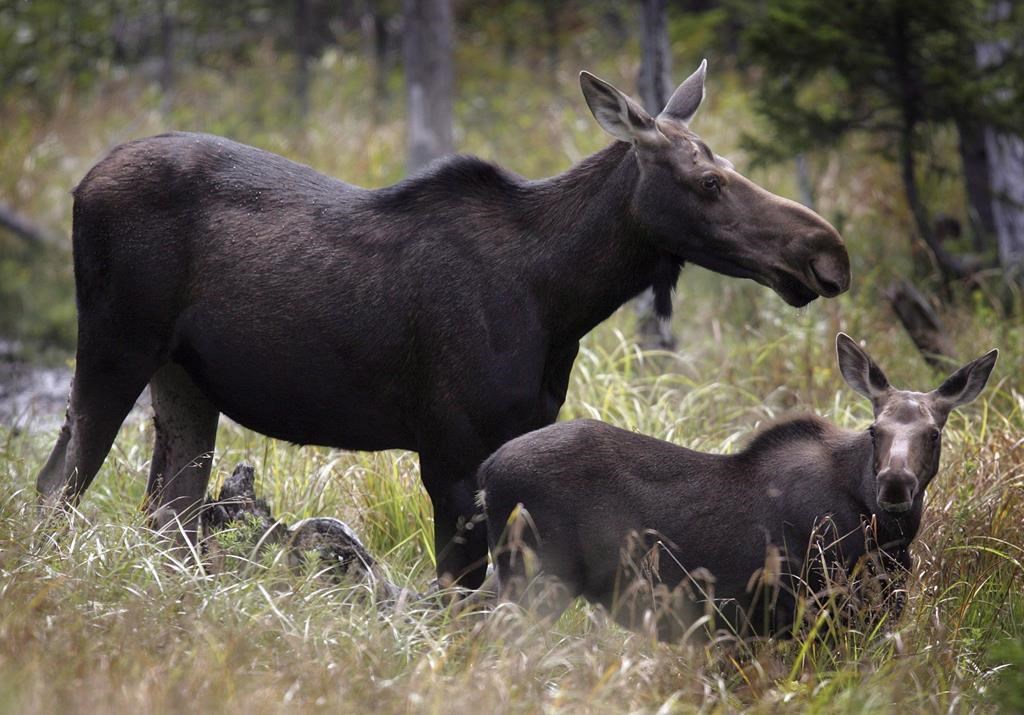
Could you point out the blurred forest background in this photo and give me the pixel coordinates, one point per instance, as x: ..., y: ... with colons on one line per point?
x: 898, y: 119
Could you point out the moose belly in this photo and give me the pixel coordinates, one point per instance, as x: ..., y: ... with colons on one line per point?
x: 300, y: 385
x: 745, y: 581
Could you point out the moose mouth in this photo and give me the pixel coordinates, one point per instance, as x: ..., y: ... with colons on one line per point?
x: 792, y: 290
x: 896, y: 508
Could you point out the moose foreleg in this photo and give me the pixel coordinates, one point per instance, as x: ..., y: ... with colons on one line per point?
x: 460, y: 534
x: 186, y: 431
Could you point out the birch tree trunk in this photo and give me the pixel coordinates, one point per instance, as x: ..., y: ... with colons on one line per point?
x: 428, y: 41
x: 1005, y: 153
x: 1006, y: 172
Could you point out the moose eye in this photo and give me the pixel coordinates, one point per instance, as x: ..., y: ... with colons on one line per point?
x: 935, y: 435
x: 710, y: 184
x: 871, y: 431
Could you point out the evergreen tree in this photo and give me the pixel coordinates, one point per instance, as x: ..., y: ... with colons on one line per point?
x: 893, y: 68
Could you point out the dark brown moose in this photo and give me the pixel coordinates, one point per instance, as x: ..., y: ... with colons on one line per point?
x: 441, y: 314
x: 603, y: 510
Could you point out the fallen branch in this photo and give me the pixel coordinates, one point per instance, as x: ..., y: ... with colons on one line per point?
x: 922, y: 324
x: 22, y: 227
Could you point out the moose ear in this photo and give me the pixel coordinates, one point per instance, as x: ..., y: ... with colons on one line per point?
x: 617, y: 114
x: 685, y: 101
x: 965, y: 384
x: 859, y: 370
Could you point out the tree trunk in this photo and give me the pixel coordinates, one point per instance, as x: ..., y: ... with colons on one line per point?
x: 553, y: 48
x: 922, y: 323
x: 22, y: 227
x: 656, y: 60
x: 974, y: 157
x: 911, y: 90
x: 950, y: 267
x: 375, y: 35
x: 1005, y: 153
x: 803, y: 181
x: 428, y: 42
x: 1006, y: 171
x: 166, y: 47
x: 303, y: 54
x: 655, y: 85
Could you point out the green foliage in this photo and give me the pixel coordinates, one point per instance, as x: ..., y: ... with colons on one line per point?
x: 880, y: 67
x: 46, y: 43
x: 36, y: 296
x: 898, y: 71
x: 1008, y: 690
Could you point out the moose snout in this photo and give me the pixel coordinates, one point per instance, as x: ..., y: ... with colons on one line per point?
x: 896, y: 490
x: 826, y: 262
x: 831, y: 275
x: 828, y: 268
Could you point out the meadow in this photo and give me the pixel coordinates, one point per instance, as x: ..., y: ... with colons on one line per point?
x: 98, y: 616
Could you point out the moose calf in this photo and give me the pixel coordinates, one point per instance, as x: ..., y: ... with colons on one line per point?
x: 664, y: 535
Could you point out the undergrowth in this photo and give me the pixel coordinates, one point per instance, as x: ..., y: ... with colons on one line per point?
x: 98, y: 616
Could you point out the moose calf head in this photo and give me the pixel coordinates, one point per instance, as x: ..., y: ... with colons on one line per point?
x: 907, y: 431
x: 697, y: 207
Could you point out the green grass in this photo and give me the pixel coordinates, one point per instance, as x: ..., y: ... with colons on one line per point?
x: 98, y: 616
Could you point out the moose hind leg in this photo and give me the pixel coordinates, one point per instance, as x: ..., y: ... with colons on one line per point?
x: 186, y: 430
x: 103, y: 391
x: 51, y: 477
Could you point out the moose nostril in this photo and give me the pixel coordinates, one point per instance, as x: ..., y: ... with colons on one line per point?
x: 830, y: 287
x: 897, y: 485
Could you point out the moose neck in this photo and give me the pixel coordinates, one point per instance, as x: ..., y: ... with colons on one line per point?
x: 591, y: 255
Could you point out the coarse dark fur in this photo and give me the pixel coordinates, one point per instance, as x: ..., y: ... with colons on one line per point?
x: 440, y: 315
x: 806, y: 504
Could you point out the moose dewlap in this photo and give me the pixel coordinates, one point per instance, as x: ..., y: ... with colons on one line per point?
x: 664, y: 535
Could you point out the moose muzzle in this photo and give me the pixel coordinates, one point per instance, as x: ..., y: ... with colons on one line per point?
x: 896, y: 490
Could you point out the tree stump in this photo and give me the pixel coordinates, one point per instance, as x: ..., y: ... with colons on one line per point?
x: 341, y: 555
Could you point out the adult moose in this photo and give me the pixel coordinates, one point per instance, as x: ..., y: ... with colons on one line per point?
x: 441, y: 314
x: 594, y: 492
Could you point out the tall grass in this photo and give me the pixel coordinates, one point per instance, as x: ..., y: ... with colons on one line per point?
x: 97, y: 616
